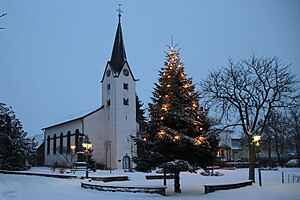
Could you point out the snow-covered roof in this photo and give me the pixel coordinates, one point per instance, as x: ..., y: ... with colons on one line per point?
x: 38, y: 139
x: 75, y: 116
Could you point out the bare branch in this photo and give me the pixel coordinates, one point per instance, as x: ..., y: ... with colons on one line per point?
x: 3, y: 14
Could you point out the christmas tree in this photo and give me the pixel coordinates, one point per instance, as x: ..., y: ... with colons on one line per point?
x: 178, y: 136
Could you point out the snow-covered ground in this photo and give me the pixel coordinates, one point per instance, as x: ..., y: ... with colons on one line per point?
x: 23, y: 187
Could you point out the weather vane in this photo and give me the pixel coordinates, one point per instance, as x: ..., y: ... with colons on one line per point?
x: 119, y: 10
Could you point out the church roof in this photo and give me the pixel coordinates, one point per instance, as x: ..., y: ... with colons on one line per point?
x: 73, y: 117
x: 118, y: 56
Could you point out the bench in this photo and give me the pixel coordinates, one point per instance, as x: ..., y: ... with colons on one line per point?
x: 135, y: 189
x: 212, y: 188
x: 151, y: 177
x: 110, y: 178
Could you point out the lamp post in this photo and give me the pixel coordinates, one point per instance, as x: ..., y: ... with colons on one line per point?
x: 87, y: 146
x: 255, y: 141
x: 73, y: 147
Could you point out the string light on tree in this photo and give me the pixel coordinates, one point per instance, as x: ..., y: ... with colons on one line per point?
x: 161, y: 134
x: 165, y: 107
x: 199, y: 140
x: 176, y: 124
x: 176, y: 138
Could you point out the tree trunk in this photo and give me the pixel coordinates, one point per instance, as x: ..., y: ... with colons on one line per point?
x: 176, y: 181
x: 252, y: 159
x: 270, y: 152
x: 279, y: 159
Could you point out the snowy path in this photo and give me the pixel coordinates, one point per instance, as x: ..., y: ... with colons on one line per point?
x: 23, y: 187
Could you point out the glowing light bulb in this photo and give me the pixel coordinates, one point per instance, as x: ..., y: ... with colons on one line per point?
x: 199, y: 140
x: 161, y: 134
x: 176, y: 138
x: 165, y: 107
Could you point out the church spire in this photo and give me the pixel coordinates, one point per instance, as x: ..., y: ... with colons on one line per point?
x: 118, y: 56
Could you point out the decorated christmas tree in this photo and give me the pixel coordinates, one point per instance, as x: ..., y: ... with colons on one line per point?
x: 178, y: 135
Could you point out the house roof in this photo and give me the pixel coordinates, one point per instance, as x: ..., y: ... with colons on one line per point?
x: 38, y: 139
x: 73, y: 117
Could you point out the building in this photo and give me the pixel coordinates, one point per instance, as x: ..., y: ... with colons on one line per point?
x: 225, y: 146
x: 108, y: 127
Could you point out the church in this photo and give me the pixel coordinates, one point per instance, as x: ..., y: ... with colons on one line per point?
x: 109, y: 127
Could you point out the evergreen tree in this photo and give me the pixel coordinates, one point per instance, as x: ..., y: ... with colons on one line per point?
x: 178, y: 135
x: 16, y: 151
x: 140, y: 114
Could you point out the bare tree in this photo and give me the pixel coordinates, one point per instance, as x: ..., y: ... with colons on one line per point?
x: 245, y: 92
x: 295, y: 131
x: 277, y: 133
x: 2, y: 16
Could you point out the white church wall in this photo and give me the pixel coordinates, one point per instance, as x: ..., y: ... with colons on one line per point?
x: 58, y: 158
x: 126, y: 118
x: 93, y: 127
x: 109, y: 115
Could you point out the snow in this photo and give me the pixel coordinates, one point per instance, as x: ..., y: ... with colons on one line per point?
x: 23, y: 187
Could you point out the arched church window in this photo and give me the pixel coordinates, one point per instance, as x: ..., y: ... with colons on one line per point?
x: 68, y: 142
x: 76, y: 140
x: 48, y: 144
x: 126, y: 162
x: 54, y: 144
x: 61, y: 143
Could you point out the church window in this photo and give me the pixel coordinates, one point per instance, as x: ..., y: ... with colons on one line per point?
x: 76, y: 140
x: 108, y: 102
x: 68, y: 142
x: 126, y: 101
x: 48, y: 144
x: 125, y: 86
x: 126, y: 162
x: 108, y: 86
x: 54, y: 144
x: 61, y: 143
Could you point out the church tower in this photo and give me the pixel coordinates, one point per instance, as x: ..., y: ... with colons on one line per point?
x: 119, y: 101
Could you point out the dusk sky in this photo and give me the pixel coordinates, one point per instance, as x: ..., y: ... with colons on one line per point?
x: 53, y: 53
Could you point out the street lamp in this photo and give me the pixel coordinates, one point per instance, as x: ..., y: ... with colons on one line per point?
x: 87, y: 146
x: 73, y: 147
x: 256, y: 139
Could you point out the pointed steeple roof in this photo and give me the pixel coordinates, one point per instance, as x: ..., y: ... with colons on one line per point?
x: 118, y: 56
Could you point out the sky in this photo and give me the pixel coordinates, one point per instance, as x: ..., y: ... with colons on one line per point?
x: 53, y: 53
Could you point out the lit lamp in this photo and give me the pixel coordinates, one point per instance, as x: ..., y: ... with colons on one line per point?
x: 87, y: 146
x: 256, y: 139
x: 73, y: 147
